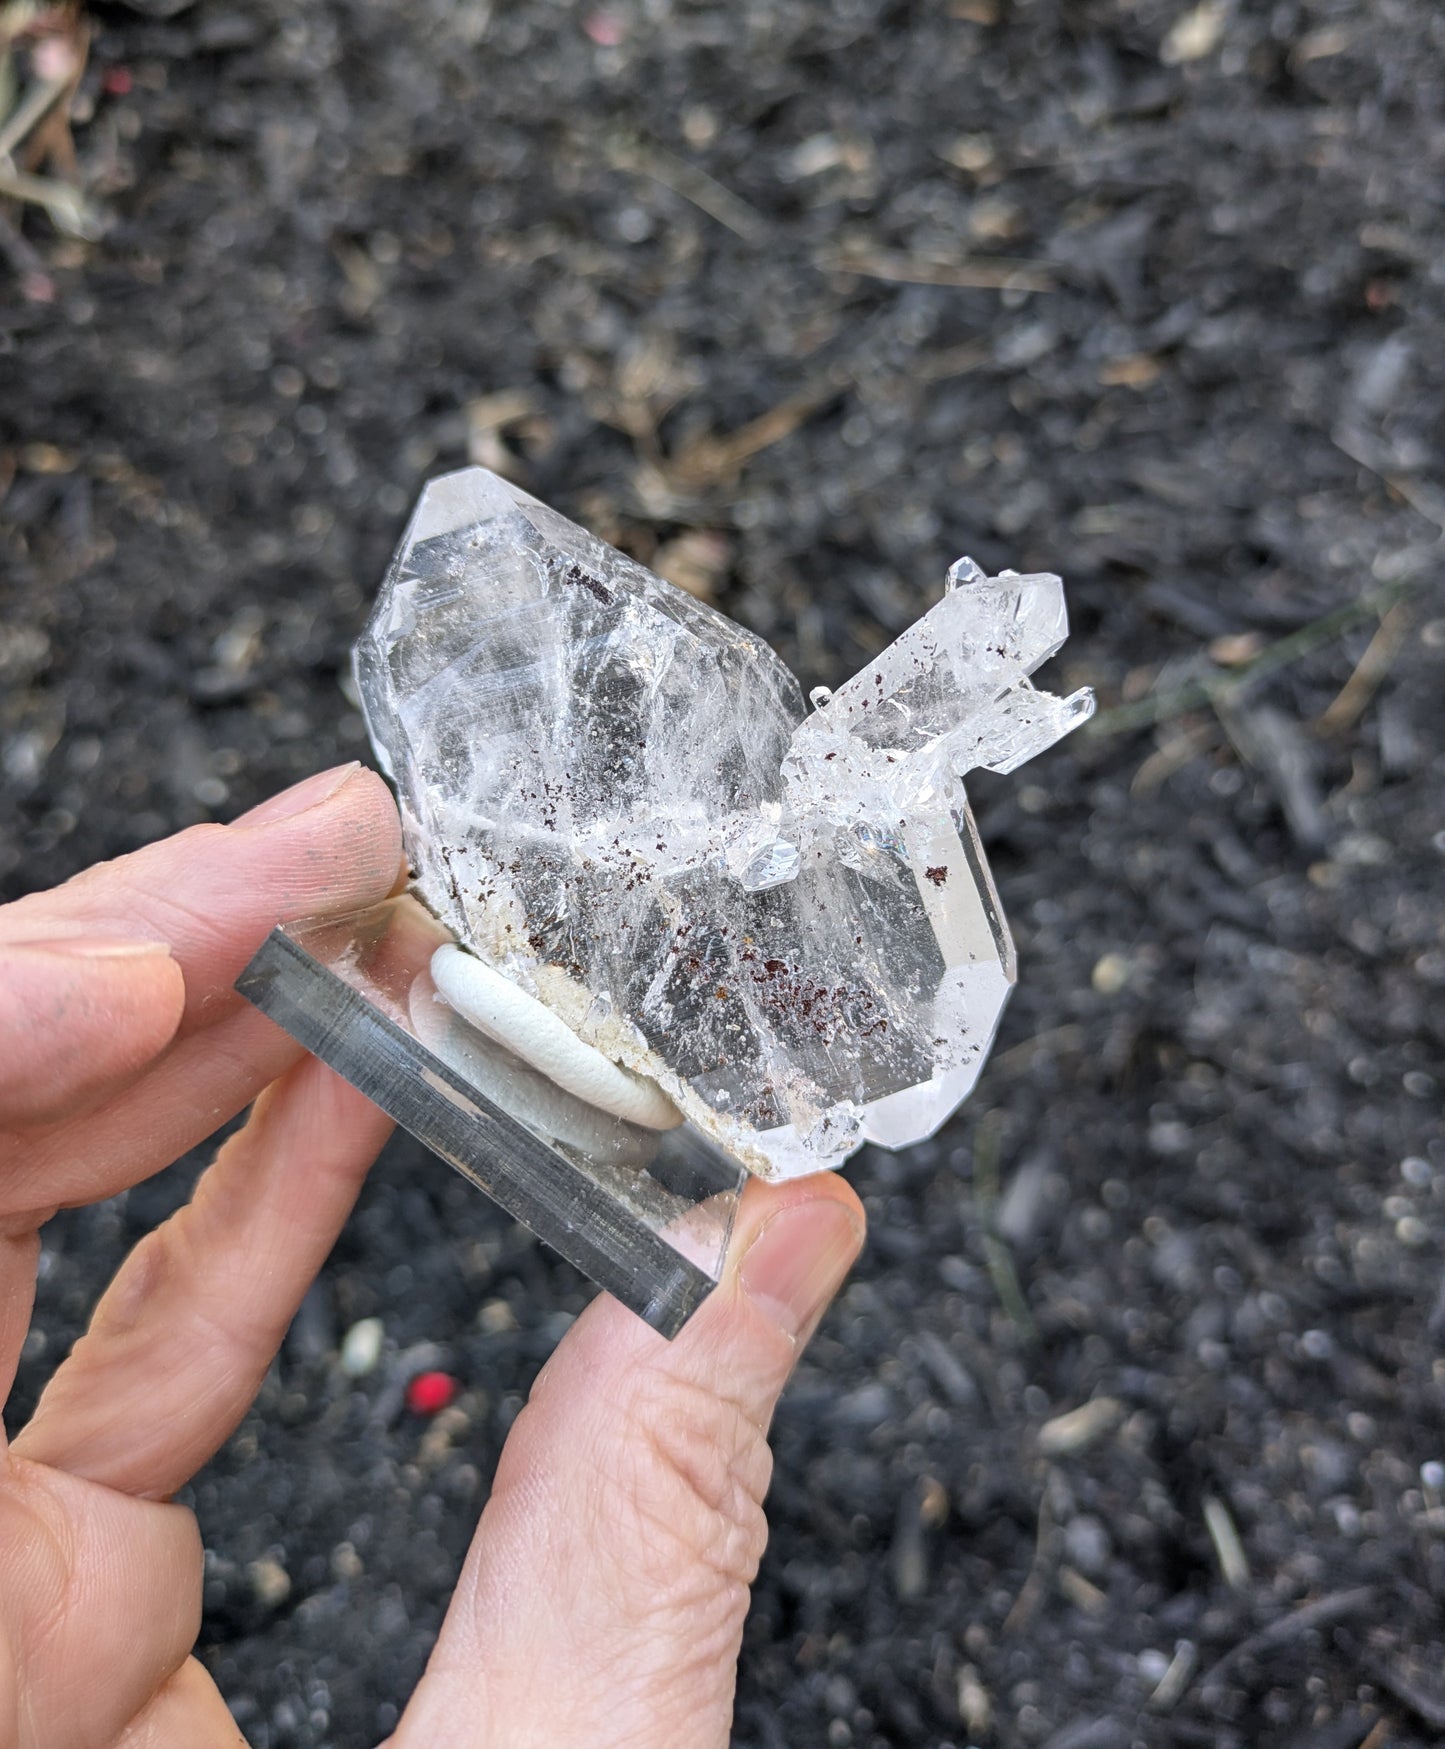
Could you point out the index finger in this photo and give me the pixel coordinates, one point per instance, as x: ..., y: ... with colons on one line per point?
x: 211, y: 894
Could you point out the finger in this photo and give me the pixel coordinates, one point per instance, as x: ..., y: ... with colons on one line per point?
x: 200, y: 1084
x: 19, y: 1259
x: 181, y: 1340
x: 187, y: 1713
x: 9, y: 1688
x: 78, y: 1018
x: 626, y: 1518
x: 101, y: 1601
x: 212, y: 894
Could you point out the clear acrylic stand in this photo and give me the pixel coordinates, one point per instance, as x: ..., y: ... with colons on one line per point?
x: 645, y: 1214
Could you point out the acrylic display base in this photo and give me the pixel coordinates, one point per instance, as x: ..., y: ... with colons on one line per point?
x: 644, y: 1214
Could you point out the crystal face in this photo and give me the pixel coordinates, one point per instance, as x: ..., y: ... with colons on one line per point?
x: 617, y: 798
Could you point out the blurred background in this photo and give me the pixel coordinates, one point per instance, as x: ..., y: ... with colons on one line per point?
x: 1130, y: 1429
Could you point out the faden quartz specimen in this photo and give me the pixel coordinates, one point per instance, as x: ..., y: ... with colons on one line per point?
x: 617, y: 798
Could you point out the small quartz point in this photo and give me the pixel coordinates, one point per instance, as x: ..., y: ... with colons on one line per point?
x: 617, y: 798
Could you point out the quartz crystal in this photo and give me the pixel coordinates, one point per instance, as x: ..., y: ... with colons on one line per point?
x: 617, y: 798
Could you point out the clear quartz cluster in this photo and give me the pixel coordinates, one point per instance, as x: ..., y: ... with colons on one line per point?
x: 616, y: 797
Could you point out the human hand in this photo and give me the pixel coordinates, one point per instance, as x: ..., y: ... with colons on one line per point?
x: 625, y: 1521
x: 602, y: 1602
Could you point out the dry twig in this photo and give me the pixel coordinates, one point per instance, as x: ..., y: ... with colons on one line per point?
x: 1349, y: 703
x: 999, y: 1258
x: 642, y: 158
x: 40, y: 120
x: 1422, y: 498
x: 709, y: 460
x: 1046, y: 1547
x: 987, y: 273
x: 1322, y: 1612
x: 1206, y: 689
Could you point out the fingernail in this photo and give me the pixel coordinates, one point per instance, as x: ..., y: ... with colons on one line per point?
x: 798, y: 1262
x: 85, y: 947
x: 309, y: 793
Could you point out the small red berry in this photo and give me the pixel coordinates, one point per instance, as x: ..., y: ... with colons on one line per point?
x: 430, y: 1391
x: 605, y: 28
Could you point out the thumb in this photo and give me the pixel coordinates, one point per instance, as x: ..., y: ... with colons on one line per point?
x: 603, y: 1599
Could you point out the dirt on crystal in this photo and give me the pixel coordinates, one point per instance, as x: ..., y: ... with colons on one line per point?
x: 1130, y: 1428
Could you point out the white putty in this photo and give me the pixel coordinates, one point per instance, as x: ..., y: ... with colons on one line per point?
x: 506, y: 1013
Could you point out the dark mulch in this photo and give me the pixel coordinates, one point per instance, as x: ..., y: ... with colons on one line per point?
x: 351, y: 241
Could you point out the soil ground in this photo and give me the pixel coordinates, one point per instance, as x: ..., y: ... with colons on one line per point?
x: 799, y: 301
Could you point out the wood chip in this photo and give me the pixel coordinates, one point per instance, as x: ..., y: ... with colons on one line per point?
x: 1080, y: 1428
x: 1228, y: 1549
x: 1195, y: 35
x: 1081, y: 1592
